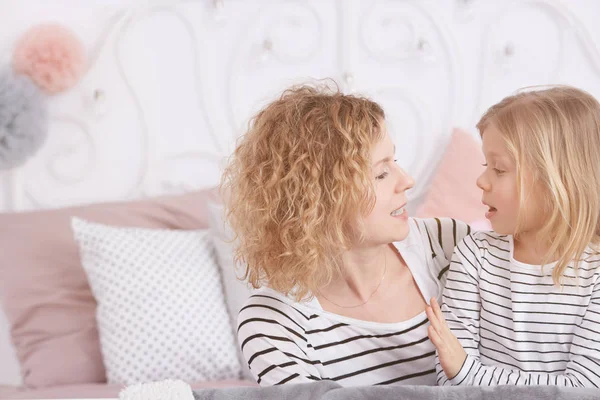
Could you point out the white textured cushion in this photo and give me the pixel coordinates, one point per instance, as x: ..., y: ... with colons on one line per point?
x: 237, y: 291
x: 161, y: 309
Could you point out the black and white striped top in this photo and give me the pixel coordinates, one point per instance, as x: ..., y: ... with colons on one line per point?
x: 516, y: 326
x: 285, y: 341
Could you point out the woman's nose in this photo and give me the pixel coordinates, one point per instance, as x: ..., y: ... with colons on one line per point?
x: 406, y: 181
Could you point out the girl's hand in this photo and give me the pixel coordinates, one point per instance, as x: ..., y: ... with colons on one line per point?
x: 450, y: 352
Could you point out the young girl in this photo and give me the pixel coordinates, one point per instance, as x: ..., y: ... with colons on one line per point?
x: 524, y: 300
x: 318, y: 202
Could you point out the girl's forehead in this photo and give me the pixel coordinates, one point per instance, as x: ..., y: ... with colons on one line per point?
x: 493, y: 143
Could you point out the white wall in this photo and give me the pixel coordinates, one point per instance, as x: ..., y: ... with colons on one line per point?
x: 179, y: 79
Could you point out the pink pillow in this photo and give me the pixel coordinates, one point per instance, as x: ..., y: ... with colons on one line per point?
x: 453, y: 191
x: 44, y: 289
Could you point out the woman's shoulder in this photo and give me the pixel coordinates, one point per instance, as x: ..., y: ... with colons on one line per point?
x: 437, y: 228
x: 439, y: 235
x: 266, y: 297
x: 268, y: 303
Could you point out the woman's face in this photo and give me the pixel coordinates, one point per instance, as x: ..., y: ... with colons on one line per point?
x: 388, y: 220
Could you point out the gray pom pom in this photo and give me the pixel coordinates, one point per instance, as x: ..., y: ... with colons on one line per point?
x: 23, y: 119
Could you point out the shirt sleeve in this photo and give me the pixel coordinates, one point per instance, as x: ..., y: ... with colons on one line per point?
x: 274, y: 345
x: 443, y: 234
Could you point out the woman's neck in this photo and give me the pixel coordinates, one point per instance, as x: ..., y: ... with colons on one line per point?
x: 362, y: 272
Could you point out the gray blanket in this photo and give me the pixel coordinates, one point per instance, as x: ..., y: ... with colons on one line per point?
x: 328, y: 390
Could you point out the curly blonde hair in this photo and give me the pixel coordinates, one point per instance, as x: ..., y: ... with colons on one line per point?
x: 555, y: 134
x: 297, y: 185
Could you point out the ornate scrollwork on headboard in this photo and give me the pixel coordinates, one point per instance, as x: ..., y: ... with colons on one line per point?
x: 172, y: 84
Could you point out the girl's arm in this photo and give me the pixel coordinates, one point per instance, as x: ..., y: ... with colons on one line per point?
x: 461, y: 293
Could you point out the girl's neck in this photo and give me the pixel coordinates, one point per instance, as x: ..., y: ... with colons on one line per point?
x: 529, y: 250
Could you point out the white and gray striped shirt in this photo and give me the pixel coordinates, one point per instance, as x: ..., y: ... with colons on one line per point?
x: 286, y: 341
x: 516, y: 326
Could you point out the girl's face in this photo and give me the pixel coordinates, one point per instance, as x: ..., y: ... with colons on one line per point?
x: 388, y: 220
x: 500, y: 189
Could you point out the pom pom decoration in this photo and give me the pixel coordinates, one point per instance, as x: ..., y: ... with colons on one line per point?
x: 52, y: 56
x: 23, y: 119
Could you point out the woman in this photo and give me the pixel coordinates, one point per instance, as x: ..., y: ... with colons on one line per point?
x: 318, y: 203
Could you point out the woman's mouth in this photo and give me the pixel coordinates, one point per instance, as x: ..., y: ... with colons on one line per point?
x: 399, y: 213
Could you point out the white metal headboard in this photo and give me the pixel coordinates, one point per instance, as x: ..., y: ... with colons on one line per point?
x: 171, y: 84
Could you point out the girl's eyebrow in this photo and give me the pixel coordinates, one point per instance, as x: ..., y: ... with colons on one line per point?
x: 495, y: 154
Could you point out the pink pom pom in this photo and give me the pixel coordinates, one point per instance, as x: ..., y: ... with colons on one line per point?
x: 52, y: 56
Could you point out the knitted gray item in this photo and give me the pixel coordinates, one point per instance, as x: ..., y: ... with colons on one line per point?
x: 23, y: 119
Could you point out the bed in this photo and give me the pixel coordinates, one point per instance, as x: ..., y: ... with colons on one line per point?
x: 140, y: 139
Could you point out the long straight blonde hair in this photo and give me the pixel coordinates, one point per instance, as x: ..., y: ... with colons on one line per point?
x: 555, y: 134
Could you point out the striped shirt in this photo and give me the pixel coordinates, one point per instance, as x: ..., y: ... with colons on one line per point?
x: 516, y: 326
x: 286, y: 341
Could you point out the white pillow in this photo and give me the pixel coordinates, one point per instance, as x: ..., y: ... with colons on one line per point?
x: 236, y: 290
x: 161, y: 309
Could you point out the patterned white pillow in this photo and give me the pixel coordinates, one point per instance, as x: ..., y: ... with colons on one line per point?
x: 161, y: 309
x: 236, y: 290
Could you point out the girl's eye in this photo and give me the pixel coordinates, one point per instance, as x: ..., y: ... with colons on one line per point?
x: 496, y: 170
